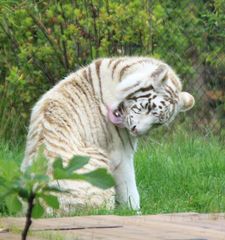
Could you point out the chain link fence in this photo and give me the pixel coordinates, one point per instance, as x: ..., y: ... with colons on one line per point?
x: 208, y: 87
x: 43, y: 42
x: 196, y: 52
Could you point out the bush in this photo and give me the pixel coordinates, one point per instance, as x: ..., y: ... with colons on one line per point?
x: 45, y: 40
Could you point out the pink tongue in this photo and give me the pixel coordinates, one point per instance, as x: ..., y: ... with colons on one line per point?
x: 114, y: 119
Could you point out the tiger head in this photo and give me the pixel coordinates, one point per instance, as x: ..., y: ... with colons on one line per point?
x: 149, y: 100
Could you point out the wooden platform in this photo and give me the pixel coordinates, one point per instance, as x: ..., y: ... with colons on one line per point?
x: 185, y: 226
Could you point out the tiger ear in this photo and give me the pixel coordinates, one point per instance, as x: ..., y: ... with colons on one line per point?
x: 187, y: 101
x: 159, y: 75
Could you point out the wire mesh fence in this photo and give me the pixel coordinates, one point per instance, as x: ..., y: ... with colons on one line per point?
x: 43, y: 41
x: 195, y: 47
x: 208, y: 87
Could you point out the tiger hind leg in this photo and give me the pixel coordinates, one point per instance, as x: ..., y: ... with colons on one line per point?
x: 81, y: 194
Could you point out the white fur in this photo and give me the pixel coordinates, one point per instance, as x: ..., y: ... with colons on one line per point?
x: 72, y: 119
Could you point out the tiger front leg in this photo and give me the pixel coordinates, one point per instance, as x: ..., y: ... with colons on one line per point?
x: 126, y: 188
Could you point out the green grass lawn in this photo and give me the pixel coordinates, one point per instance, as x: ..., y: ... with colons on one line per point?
x: 178, y: 172
x: 181, y: 172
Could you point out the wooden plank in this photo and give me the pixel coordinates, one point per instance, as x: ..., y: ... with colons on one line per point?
x: 185, y: 226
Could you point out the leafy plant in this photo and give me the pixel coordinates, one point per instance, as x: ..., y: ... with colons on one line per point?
x: 33, y: 186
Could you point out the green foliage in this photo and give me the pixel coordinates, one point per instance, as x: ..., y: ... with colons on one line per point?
x: 60, y: 172
x: 92, y: 177
x: 38, y: 210
x: 17, y: 186
x: 44, y: 41
x: 33, y: 185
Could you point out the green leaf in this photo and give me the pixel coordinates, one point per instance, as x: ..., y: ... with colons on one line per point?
x: 5, y: 192
x: 99, y: 178
x: 13, y: 203
x: 2, y: 193
x: 40, y: 163
x: 23, y: 193
x: 38, y: 210
x: 58, y: 170
x: 57, y: 163
x: 2, y: 181
x: 64, y: 174
x: 9, y: 170
x: 77, y: 162
x: 41, y: 178
x: 60, y: 174
x: 53, y: 189
x: 51, y: 200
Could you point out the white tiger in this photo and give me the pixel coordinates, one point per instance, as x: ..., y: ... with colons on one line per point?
x: 99, y: 111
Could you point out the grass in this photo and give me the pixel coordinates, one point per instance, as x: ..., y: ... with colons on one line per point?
x: 181, y: 172
x: 51, y: 235
x: 10, y: 152
x: 178, y: 172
